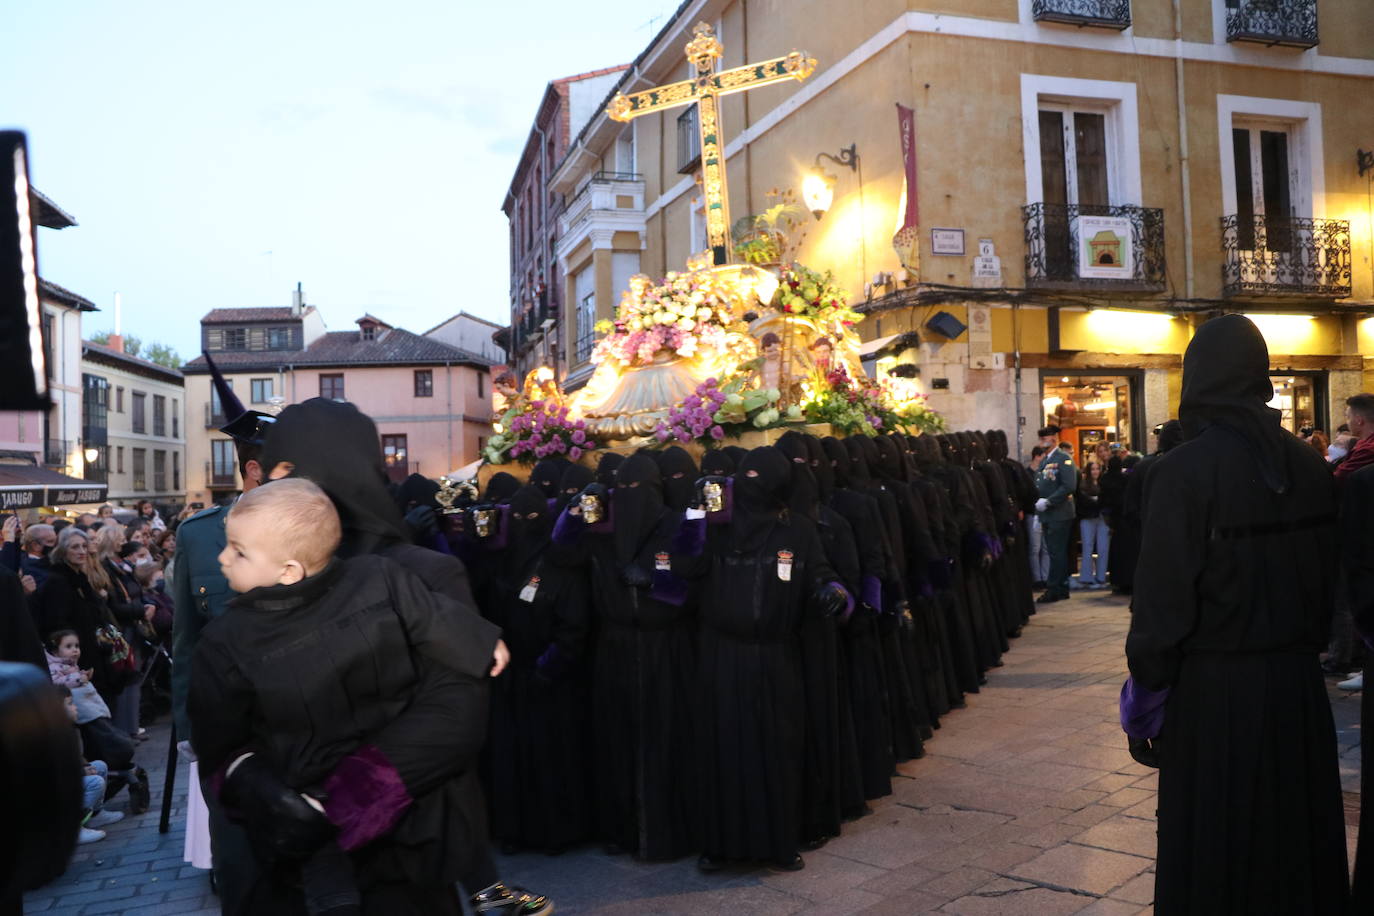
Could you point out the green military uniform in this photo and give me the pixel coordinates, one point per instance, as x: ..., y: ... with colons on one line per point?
x: 201, y: 593
x: 1056, y: 480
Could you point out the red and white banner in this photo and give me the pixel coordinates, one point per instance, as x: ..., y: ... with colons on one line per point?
x: 907, y: 241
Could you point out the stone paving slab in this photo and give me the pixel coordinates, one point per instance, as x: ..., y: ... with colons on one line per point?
x: 1026, y: 803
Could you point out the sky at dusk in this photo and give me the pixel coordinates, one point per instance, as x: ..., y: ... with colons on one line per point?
x: 214, y: 156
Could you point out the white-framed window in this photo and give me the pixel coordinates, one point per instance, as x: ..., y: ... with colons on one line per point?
x: 1082, y: 141
x: 625, y: 152
x: 584, y: 293
x: 1271, y: 157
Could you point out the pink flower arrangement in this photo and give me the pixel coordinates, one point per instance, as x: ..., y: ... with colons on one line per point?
x: 684, y: 313
x: 695, y: 418
x: 544, y: 430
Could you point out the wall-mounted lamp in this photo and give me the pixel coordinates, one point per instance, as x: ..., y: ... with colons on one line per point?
x: 818, y: 187
x: 91, y: 454
x: 1365, y: 160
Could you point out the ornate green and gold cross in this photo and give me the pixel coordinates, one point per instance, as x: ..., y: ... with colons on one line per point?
x: 705, y: 89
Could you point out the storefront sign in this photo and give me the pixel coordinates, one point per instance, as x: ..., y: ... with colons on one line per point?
x: 12, y: 498
x: 66, y: 496
x: 1105, y: 251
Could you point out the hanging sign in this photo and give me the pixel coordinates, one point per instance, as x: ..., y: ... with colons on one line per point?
x: 1105, y: 251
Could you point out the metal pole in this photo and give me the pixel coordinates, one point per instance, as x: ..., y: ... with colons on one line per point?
x: 164, y: 824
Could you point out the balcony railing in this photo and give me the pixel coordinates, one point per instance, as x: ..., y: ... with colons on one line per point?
x: 1292, y: 23
x: 213, y: 419
x: 219, y: 479
x: 603, y: 191
x: 55, y: 452
x: 1108, y: 14
x: 1081, y: 247
x: 1285, y: 256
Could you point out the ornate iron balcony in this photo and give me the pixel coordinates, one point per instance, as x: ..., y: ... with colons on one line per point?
x: 1109, y: 14
x: 1292, y: 23
x: 1067, y: 248
x: 1285, y: 256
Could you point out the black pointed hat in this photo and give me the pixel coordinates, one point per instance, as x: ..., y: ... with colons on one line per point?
x: 245, y: 426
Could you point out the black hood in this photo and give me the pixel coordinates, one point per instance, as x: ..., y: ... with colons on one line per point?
x: 820, y: 467
x: 759, y: 499
x: 335, y: 445
x: 804, y: 494
x: 606, y: 467
x: 636, y: 505
x: 679, y: 473
x: 860, y: 463
x: 890, y: 460
x: 417, y: 490
x: 1170, y: 435
x: 548, y: 475
x: 575, y: 480
x: 501, y: 487
x: 717, y: 463
x: 736, y: 453
x: 1226, y: 383
x: 839, y: 459
x: 528, y: 528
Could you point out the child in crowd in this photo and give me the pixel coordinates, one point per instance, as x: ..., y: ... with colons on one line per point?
x: 105, y: 742
x: 92, y: 787
x: 291, y: 693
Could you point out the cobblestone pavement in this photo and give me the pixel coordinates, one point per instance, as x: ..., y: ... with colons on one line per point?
x: 1026, y: 802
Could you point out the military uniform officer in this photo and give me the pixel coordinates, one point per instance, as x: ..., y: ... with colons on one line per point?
x: 1056, y: 479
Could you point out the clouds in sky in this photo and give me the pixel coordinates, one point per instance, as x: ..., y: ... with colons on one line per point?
x: 367, y: 148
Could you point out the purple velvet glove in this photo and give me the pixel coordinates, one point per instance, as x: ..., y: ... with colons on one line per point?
x: 1142, y: 710
x: 366, y: 797
x: 872, y: 592
x: 668, y: 588
x: 568, y: 530
x: 690, y: 539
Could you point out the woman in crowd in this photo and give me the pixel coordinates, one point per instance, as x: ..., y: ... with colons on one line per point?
x: 134, y: 615
x: 1094, y: 535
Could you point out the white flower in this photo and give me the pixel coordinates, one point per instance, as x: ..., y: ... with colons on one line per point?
x: 686, y: 324
x: 636, y: 324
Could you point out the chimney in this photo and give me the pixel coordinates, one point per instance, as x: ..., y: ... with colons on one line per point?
x: 116, y: 341
x: 297, y: 300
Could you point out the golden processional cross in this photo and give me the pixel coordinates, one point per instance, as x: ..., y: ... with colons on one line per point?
x: 705, y: 89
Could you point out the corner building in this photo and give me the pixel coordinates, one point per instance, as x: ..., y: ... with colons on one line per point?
x: 1094, y: 179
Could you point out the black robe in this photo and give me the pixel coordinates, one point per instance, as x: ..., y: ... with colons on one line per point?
x: 537, y: 777
x: 1357, y: 557
x: 1232, y: 607
x: 642, y: 682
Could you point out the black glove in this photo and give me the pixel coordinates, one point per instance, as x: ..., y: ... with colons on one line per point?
x: 423, y: 522
x: 1145, y: 751
x: 831, y: 599
x: 281, y: 823
x: 633, y: 575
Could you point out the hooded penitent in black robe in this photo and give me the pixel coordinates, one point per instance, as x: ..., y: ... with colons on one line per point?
x: 1002, y: 518
x: 860, y: 651
x: 831, y: 788
x: 679, y: 474
x: 926, y: 639
x: 907, y: 706
x: 575, y: 479
x: 606, y: 468
x: 763, y: 574
x: 643, y: 668
x: 975, y: 558
x: 335, y: 445
x: 547, y: 475
x: 537, y: 774
x: 1232, y: 607
x: 1126, y: 536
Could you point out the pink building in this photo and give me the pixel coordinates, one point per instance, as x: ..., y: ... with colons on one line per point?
x: 431, y: 401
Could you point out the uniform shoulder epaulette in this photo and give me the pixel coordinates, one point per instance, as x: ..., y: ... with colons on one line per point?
x: 205, y: 513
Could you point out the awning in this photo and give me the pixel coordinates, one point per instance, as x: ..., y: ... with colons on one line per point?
x: 890, y: 345
x: 26, y: 486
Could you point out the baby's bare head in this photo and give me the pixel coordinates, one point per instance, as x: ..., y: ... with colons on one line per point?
x: 289, y: 522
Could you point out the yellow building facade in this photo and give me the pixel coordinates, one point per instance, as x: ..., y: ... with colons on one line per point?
x: 1094, y: 177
